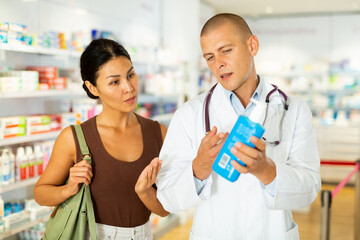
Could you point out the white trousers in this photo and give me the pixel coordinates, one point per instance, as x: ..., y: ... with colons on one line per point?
x: 107, y: 232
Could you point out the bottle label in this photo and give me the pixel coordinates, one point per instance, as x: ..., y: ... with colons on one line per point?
x: 224, y: 161
x: 40, y: 168
x: 31, y: 170
x: 23, y: 172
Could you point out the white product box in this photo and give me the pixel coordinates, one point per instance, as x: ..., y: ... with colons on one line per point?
x: 38, y: 124
x: 71, y: 118
x: 10, y: 84
x: 12, y: 127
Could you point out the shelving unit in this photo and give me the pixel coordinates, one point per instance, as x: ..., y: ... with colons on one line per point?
x: 41, y: 94
x: 39, y: 50
x: 148, y: 98
x: 23, y: 226
x: 17, y: 98
x: 18, y: 185
x: 33, y: 138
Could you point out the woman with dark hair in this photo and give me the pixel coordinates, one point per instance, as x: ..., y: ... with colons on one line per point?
x: 124, y: 148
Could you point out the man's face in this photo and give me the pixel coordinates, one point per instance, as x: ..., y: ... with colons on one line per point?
x: 229, y: 56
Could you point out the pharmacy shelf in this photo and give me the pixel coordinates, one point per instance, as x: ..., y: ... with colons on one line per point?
x: 19, y: 185
x: 166, y: 98
x: 23, y: 226
x: 39, y: 50
x: 163, y: 117
x: 295, y: 74
x: 335, y: 108
x: 339, y: 92
x: 32, y: 138
x: 143, y: 98
x: 39, y: 94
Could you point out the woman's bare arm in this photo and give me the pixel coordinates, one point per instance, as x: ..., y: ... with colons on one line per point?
x: 50, y: 189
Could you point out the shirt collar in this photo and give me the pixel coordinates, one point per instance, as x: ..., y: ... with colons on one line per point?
x: 256, y: 95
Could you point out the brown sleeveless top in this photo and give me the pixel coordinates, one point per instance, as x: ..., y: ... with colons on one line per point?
x: 113, y: 184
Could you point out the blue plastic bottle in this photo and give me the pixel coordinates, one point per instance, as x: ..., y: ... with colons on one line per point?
x: 244, y: 128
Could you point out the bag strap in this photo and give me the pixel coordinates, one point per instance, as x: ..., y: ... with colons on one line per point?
x: 81, y: 139
x: 90, y: 214
x: 90, y: 210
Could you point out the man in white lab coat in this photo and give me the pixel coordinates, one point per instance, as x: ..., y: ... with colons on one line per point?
x: 277, y: 178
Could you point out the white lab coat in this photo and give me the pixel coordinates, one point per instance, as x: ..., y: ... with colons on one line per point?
x: 243, y: 209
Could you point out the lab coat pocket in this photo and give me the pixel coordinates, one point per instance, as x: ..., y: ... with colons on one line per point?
x: 293, y: 233
x: 196, y: 237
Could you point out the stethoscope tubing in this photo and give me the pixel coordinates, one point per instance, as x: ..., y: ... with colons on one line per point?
x: 267, y: 101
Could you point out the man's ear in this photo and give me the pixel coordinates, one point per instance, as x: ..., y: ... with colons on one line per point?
x: 91, y: 88
x: 253, y: 44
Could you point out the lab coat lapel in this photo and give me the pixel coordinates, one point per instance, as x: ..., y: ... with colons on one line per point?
x: 275, y: 100
x: 224, y: 114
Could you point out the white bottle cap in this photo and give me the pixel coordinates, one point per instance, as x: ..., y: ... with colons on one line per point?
x: 28, y: 150
x: 20, y: 151
x: 37, y: 148
x: 258, y: 112
x: 5, y: 152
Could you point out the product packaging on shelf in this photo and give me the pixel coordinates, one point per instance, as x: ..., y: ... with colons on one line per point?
x: 39, y: 156
x: 70, y: 118
x: 21, y: 165
x: 10, y: 84
x: 47, y: 75
x: 3, y: 36
x: 38, y: 124
x: 11, y: 165
x: 5, y: 167
x: 31, y: 161
x: 12, y: 127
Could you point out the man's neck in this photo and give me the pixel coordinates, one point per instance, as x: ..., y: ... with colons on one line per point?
x: 246, y: 91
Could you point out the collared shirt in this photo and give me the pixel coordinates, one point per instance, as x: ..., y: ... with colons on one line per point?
x: 241, y: 111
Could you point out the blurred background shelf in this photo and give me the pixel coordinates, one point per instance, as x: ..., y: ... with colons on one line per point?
x: 32, y: 138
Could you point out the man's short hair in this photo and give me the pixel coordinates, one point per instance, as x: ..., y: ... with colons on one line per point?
x: 223, y: 18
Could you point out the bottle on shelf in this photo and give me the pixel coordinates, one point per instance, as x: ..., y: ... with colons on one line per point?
x: 31, y: 161
x: 11, y: 166
x: 39, y: 156
x: 5, y: 168
x: 21, y: 164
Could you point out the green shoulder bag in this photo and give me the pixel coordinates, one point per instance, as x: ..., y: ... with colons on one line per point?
x: 69, y: 220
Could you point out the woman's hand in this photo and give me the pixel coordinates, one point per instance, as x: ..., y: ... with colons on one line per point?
x: 148, y: 176
x: 80, y: 173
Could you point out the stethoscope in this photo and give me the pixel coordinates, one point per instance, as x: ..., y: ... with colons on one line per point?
x: 267, y: 101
